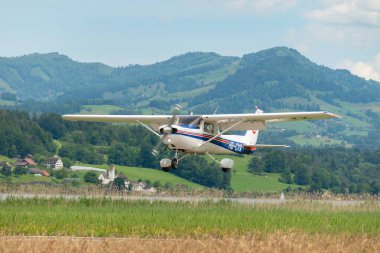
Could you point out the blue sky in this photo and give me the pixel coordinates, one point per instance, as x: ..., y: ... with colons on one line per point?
x: 335, y: 33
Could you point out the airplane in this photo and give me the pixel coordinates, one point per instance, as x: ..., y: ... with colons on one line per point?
x: 206, y: 134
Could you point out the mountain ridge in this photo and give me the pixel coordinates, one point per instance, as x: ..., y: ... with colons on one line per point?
x: 276, y: 79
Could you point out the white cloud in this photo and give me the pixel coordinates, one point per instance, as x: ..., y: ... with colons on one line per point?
x: 369, y: 69
x: 259, y: 5
x: 348, y: 12
x: 340, y: 29
x: 246, y: 6
x: 350, y: 35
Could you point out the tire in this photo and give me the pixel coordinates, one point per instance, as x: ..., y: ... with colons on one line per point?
x: 226, y: 169
x: 166, y: 169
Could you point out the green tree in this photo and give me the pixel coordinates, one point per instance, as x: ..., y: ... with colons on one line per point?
x: 67, y: 163
x: 20, y: 171
x: 256, y: 165
x: 119, y: 183
x: 275, y: 161
x: 157, y: 184
x: 12, y: 151
x: 91, y: 177
x: 286, y: 177
x: 52, y: 123
x: 60, y: 174
x: 6, y: 171
x: 303, y: 175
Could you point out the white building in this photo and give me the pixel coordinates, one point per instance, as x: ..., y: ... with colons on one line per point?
x: 54, y: 163
x: 108, y: 177
x: 85, y: 168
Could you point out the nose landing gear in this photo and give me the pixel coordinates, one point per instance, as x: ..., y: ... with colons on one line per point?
x: 167, y: 164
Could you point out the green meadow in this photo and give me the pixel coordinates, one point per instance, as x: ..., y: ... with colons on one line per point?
x: 99, y: 109
x: 241, y: 179
x: 141, y: 218
x: 136, y: 173
x: 244, y: 181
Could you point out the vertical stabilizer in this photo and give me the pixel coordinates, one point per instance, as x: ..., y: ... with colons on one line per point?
x: 252, y: 135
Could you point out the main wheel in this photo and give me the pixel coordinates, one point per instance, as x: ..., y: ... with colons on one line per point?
x: 226, y: 169
x: 174, y: 164
x: 166, y: 169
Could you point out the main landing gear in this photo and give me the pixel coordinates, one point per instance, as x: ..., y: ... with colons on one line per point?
x: 166, y: 164
x: 226, y: 164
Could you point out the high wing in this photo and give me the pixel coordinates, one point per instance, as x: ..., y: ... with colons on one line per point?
x: 247, y: 121
x: 150, y: 119
x: 258, y: 121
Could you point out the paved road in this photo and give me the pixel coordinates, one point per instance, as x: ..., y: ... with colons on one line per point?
x: 247, y: 201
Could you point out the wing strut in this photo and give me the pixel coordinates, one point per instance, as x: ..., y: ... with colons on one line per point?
x: 150, y: 129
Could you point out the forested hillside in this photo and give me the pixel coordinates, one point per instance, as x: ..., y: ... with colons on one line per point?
x: 21, y: 135
x: 277, y: 79
x: 342, y: 170
x: 338, y: 169
x: 94, y: 143
x: 271, y: 76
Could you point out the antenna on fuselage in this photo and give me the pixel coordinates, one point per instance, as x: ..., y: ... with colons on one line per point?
x: 216, y: 109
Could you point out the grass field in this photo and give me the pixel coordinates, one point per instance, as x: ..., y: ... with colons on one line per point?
x: 27, y: 178
x: 105, y: 225
x: 241, y: 179
x: 99, y: 109
x: 4, y: 158
x: 306, y: 141
x: 244, y: 181
x: 161, y: 219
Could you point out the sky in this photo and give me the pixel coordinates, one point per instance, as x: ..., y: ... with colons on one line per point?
x: 334, y: 33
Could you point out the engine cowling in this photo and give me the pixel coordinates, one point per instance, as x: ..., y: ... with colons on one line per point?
x: 168, y: 129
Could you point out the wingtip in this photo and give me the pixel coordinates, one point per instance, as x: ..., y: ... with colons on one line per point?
x: 333, y: 115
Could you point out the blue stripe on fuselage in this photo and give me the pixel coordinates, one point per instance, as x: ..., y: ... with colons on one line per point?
x: 203, y: 137
x: 189, y: 126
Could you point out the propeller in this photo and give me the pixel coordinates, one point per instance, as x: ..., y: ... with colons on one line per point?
x: 166, y: 130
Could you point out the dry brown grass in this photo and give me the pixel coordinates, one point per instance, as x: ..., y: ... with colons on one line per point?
x: 275, y: 242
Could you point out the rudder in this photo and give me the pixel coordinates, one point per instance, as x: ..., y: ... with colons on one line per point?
x: 252, y: 135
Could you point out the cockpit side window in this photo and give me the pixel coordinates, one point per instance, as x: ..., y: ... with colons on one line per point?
x: 189, y: 121
x: 209, y: 128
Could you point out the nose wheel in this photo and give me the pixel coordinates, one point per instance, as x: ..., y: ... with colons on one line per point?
x: 167, y: 164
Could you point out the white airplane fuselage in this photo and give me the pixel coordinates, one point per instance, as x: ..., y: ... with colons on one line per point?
x: 191, y: 140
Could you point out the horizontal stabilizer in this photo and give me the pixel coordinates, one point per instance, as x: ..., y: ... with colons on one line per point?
x: 266, y: 146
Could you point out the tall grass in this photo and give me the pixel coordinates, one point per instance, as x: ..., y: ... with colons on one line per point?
x: 96, y: 191
x: 141, y: 218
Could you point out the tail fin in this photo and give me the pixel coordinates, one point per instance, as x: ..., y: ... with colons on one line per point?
x: 252, y: 135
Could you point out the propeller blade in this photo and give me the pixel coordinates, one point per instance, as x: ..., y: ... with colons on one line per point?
x: 177, y: 108
x: 156, y: 148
